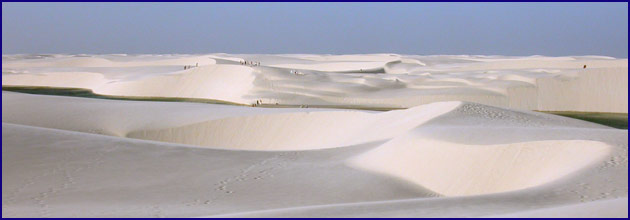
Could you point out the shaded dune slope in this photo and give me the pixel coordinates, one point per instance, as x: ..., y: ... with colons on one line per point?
x: 299, y: 156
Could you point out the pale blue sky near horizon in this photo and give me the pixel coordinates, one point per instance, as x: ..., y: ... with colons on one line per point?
x: 552, y: 29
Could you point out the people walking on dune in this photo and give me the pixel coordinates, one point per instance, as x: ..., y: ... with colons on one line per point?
x: 249, y: 63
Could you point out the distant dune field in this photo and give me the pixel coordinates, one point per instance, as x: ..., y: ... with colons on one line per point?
x: 375, y: 80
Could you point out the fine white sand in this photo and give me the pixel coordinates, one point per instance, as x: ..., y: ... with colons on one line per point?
x: 466, y: 146
x: 372, y: 80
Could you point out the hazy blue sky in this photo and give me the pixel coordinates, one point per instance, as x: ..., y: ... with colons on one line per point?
x: 336, y: 28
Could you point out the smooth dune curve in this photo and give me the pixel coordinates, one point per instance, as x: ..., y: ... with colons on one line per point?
x: 463, y: 170
x: 298, y: 131
x: 222, y: 82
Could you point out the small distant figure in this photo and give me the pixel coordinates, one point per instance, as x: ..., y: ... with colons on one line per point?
x: 584, y: 66
x: 197, y: 65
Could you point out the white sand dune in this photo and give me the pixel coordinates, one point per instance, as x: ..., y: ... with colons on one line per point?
x: 599, y: 209
x: 285, y: 162
x: 61, y: 61
x: 480, y: 169
x: 464, y: 144
x: 81, y: 175
x: 297, y: 131
x: 372, y: 80
x: 336, y: 66
x: 223, y: 82
x: 57, y: 79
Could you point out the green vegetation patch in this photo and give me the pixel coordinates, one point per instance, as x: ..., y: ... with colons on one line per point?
x: 615, y: 120
x: 86, y: 93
